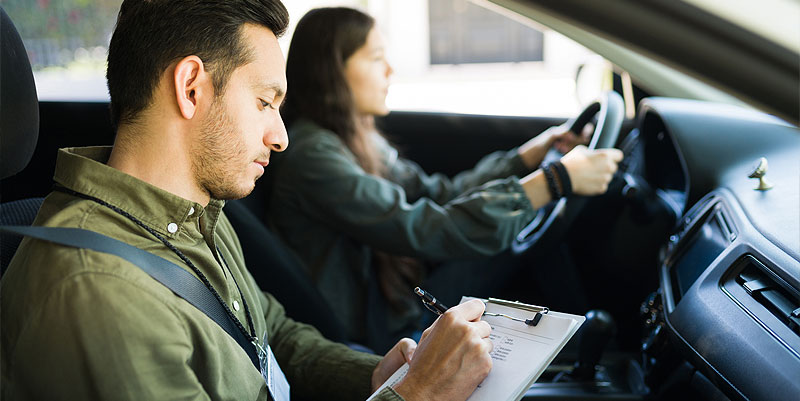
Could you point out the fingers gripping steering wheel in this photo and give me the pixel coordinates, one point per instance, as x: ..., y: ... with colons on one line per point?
x: 553, y: 220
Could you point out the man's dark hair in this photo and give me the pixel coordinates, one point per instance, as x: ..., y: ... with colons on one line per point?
x: 152, y: 34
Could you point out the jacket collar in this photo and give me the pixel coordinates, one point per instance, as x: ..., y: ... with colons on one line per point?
x: 85, y: 170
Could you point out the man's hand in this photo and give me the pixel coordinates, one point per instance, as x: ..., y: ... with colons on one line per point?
x: 452, y: 357
x: 401, y: 353
x: 590, y: 171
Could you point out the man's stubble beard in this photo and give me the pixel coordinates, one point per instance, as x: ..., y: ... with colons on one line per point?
x: 220, y: 156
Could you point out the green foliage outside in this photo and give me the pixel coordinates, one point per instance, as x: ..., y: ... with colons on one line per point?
x: 62, y: 32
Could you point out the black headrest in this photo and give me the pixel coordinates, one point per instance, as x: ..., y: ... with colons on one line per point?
x: 19, y: 107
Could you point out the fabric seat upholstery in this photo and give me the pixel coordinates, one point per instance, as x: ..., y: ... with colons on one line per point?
x: 276, y: 271
x: 19, y: 129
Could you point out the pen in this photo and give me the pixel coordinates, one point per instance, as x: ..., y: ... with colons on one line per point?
x: 438, y: 308
x: 430, y: 301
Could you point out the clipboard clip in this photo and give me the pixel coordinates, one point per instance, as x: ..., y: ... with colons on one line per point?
x: 539, y: 311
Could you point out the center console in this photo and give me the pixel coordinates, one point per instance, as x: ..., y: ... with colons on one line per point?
x: 703, y: 234
x: 724, y: 310
x: 723, y: 324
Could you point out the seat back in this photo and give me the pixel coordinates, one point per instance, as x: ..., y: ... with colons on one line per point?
x: 19, y: 106
x: 19, y: 129
x: 17, y: 213
x: 278, y: 272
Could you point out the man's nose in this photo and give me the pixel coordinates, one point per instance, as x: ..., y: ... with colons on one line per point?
x: 276, y: 138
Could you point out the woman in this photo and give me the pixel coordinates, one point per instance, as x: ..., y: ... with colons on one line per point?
x: 361, y: 218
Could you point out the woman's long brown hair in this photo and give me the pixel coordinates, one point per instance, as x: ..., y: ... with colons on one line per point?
x: 322, y: 42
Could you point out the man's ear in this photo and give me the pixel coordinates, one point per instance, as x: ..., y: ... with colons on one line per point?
x: 192, y: 85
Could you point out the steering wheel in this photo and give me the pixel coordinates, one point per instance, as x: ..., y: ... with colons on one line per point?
x: 553, y: 220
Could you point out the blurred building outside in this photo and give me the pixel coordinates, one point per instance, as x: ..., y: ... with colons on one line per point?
x: 448, y: 55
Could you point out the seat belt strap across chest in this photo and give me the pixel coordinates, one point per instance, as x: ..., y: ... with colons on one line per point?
x: 172, y: 276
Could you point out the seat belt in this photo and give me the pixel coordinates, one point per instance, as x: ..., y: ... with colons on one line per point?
x: 172, y: 276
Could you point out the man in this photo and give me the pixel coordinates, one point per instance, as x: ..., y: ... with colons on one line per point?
x: 195, y: 88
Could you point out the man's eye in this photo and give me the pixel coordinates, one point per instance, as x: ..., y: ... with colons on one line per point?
x: 265, y: 104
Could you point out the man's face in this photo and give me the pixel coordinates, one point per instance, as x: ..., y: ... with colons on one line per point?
x: 242, y: 127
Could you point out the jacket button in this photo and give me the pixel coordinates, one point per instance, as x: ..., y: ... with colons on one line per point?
x: 172, y: 228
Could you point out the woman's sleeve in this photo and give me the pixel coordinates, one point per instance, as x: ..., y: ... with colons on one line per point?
x: 326, y: 184
x: 417, y: 183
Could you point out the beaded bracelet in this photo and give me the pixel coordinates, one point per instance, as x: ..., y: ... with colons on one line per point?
x: 549, y: 176
x: 563, y: 177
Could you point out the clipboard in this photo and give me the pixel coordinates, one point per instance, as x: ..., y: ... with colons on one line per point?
x: 522, y: 351
x: 526, y: 339
x: 539, y: 311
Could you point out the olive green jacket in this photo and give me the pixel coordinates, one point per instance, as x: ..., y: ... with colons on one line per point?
x: 332, y: 213
x: 81, y: 325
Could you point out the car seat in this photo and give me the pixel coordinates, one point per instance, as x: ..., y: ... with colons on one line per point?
x: 278, y: 272
x: 19, y: 130
x: 272, y: 264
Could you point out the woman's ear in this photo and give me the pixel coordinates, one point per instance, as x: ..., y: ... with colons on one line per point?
x: 192, y: 85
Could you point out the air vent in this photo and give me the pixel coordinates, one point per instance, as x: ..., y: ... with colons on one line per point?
x: 698, y: 207
x: 777, y: 297
x: 725, y: 224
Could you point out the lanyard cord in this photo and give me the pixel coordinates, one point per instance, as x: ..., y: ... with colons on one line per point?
x: 244, y: 301
x: 239, y: 325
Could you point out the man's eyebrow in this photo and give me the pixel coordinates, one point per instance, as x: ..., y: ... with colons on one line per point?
x: 270, y: 86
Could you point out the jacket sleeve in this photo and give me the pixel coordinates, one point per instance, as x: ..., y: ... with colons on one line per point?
x: 442, y: 189
x: 322, y: 180
x: 115, y: 352
x: 319, y: 368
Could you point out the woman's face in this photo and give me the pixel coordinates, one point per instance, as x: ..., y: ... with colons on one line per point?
x: 367, y: 73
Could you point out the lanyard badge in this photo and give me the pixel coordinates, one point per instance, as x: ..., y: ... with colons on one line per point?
x: 276, y: 381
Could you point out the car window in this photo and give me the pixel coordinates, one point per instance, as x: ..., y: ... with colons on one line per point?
x: 456, y: 56
x: 67, y: 43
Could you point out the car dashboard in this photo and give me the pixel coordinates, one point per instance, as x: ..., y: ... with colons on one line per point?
x: 729, y: 273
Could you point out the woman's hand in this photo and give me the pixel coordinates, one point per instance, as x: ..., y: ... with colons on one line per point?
x: 590, y: 171
x: 533, y: 151
x: 566, y: 143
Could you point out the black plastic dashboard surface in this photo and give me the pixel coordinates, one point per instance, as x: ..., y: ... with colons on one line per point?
x: 743, y: 344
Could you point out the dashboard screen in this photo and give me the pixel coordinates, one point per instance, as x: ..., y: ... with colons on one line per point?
x: 704, y: 245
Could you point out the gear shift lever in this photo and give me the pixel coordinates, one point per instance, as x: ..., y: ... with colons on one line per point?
x: 595, y: 334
